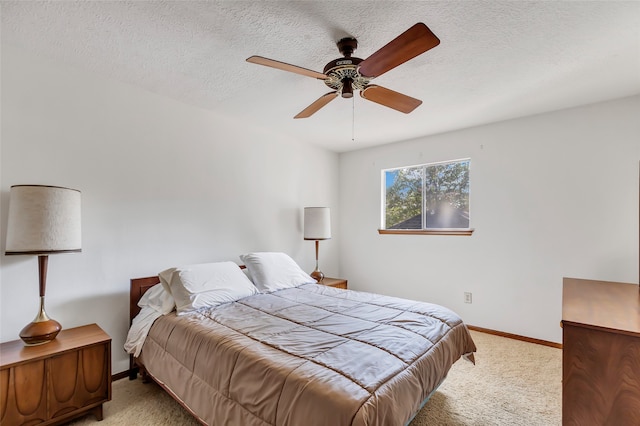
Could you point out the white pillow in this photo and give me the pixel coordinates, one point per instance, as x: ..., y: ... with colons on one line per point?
x: 207, y: 285
x: 157, y: 299
x: 165, y: 277
x: 274, y: 271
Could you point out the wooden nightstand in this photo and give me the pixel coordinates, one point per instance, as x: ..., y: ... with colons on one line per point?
x: 334, y: 282
x: 53, y: 383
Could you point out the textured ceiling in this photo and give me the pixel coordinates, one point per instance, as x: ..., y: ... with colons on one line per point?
x: 497, y: 59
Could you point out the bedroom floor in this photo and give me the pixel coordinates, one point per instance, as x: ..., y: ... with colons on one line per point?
x: 513, y: 383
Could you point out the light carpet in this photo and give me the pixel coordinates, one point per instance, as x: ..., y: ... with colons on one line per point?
x: 513, y: 383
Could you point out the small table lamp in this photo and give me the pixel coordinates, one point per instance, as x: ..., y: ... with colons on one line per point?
x: 43, y: 220
x: 317, y: 226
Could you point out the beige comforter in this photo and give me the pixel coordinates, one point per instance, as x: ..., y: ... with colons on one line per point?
x: 312, y: 355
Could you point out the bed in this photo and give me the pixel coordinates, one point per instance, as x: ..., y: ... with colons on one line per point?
x: 305, y: 354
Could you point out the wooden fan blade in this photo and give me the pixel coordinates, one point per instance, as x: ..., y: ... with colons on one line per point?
x: 315, y: 106
x: 285, y: 67
x: 411, y: 43
x: 390, y: 98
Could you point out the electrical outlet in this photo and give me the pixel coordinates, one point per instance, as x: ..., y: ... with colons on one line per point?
x: 467, y: 297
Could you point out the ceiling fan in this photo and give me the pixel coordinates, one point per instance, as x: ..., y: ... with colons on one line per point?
x: 343, y: 75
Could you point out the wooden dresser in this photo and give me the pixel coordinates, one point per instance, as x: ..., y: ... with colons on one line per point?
x: 601, y: 353
x: 53, y: 383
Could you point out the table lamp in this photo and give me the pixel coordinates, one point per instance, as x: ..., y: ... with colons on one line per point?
x: 43, y: 220
x: 317, y: 226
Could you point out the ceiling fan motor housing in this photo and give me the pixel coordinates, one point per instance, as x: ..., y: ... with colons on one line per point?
x: 342, y: 73
x: 345, y: 70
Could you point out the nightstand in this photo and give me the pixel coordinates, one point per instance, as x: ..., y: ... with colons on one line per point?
x: 55, y: 382
x: 334, y: 282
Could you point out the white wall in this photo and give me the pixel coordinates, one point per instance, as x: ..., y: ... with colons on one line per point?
x: 162, y: 184
x: 552, y: 195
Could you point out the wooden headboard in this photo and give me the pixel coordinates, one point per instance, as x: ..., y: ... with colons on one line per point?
x: 138, y: 287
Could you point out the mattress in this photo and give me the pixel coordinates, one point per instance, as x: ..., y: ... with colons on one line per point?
x: 310, y: 355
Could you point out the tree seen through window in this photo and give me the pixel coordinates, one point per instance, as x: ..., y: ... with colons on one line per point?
x: 430, y: 196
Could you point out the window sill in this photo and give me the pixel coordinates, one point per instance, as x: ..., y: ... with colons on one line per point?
x: 458, y: 232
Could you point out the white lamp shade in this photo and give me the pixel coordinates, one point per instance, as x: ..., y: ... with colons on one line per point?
x: 43, y: 220
x: 317, y: 223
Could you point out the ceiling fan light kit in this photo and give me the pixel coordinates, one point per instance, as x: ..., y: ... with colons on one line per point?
x: 346, y: 74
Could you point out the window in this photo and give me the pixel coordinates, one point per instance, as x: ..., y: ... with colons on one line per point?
x: 427, y: 199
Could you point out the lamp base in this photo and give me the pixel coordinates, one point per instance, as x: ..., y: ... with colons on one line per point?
x: 317, y: 275
x: 40, y: 332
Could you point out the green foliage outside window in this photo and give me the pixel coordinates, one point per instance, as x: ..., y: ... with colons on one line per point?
x: 430, y: 196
